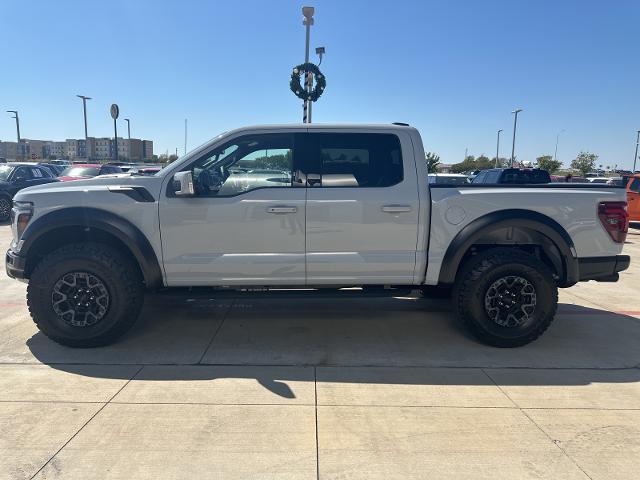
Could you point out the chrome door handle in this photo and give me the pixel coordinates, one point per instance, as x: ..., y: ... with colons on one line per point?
x: 277, y: 210
x: 396, y: 208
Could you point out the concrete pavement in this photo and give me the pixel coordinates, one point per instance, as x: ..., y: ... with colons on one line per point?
x: 297, y: 386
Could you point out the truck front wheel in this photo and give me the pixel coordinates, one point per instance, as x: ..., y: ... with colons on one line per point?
x: 505, y: 297
x: 85, y: 295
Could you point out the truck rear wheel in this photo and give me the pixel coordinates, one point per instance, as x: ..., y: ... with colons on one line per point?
x: 85, y: 295
x: 505, y: 297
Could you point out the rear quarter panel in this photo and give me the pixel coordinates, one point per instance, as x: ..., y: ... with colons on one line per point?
x: 574, y: 209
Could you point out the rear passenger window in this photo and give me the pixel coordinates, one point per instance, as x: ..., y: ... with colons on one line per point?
x: 356, y: 159
x: 492, y: 177
x: 635, y: 185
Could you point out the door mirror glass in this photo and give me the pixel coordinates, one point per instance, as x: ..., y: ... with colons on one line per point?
x: 183, y: 184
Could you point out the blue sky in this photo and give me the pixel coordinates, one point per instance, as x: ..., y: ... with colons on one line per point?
x: 453, y: 69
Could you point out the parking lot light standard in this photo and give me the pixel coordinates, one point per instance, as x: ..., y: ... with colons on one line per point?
x: 15, y: 115
x: 498, y: 149
x: 635, y: 157
x: 84, y: 108
x: 128, y: 136
x: 515, y: 126
x: 555, y: 153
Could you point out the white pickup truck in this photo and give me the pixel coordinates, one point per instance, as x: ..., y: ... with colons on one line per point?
x: 323, y: 206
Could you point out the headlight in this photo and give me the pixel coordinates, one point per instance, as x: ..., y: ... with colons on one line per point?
x: 21, y: 214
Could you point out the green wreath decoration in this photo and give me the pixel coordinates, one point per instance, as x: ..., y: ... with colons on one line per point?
x: 299, y: 90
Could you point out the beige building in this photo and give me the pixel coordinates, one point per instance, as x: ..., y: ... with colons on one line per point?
x: 9, y: 150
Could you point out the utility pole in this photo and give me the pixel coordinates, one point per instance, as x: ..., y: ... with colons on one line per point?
x: 635, y: 157
x: 555, y: 153
x: 15, y: 115
x: 515, y: 126
x: 84, y: 108
x: 128, y: 137
x: 465, y: 154
x: 498, y: 149
x: 307, y: 12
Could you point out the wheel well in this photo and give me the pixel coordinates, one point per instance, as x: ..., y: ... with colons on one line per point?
x: 523, y: 238
x: 60, y: 237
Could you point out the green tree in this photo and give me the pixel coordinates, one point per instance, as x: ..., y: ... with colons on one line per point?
x: 433, y: 160
x: 546, y: 162
x: 585, y: 162
x: 471, y: 164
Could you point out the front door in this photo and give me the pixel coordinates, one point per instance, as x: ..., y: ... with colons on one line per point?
x: 362, y: 208
x: 245, y: 226
x: 633, y: 199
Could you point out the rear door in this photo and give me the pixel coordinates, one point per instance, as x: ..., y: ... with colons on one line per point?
x: 362, y: 207
x: 633, y: 199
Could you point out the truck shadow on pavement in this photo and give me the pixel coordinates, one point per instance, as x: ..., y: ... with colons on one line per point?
x: 290, y: 338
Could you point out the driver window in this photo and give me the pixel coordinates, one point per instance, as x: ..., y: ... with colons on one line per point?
x: 22, y: 174
x: 245, y: 164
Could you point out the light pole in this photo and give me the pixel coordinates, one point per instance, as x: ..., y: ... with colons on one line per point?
x: 635, y: 157
x: 555, y: 154
x: 15, y: 115
x: 307, y: 12
x: 498, y: 149
x: 84, y: 108
x: 515, y: 126
x: 128, y: 137
x: 185, y: 136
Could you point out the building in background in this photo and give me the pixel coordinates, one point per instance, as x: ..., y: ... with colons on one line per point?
x: 103, y: 148
x: 9, y: 150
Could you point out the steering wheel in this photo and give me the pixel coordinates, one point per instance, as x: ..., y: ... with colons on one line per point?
x: 211, y: 180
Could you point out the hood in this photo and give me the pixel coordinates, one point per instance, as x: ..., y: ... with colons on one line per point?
x: 86, y: 185
x: 4, y: 185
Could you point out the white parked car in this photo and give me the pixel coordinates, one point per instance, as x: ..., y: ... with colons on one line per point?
x: 338, y: 206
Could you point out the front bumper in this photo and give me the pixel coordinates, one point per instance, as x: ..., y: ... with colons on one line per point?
x: 602, y: 269
x: 15, y: 265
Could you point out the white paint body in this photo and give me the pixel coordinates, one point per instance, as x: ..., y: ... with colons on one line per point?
x: 328, y: 236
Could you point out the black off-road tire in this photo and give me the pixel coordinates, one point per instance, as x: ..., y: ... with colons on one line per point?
x: 119, y: 276
x: 480, y: 273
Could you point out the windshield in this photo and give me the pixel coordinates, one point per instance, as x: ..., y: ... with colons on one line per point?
x: 5, y: 171
x: 81, y: 172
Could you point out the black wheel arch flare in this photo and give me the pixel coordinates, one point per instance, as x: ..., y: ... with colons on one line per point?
x: 93, y: 219
x: 516, y: 219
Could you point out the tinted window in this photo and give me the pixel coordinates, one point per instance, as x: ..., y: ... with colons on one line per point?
x: 635, y: 185
x: 41, y: 172
x: 480, y: 177
x: 22, y: 174
x: 355, y: 159
x: 245, y: 164
x: 492, y: 176
x: 525, y: 176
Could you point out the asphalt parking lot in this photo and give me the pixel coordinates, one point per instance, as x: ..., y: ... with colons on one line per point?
x: 303, y: 387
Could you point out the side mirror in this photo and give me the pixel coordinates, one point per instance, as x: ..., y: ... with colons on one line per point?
x: 183, y: 184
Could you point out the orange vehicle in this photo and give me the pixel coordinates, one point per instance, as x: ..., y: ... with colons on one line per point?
x: 633, y: 197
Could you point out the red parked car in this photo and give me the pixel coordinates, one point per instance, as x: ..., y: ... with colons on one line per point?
x: 82, y: 171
